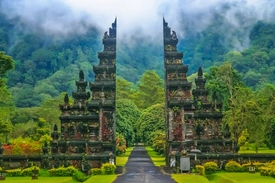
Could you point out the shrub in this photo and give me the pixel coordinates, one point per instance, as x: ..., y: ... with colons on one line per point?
x: 200, y: 169
x: 158, y: 141
x: 266, y: 171
x: 120, y: 144
x: 79, y: 176
x: 14, y: 173
x: 27, y: 172
x: 96, y: 171
x: 62, y: 171
x: 210, y: 167
x: 108, y: 169
x: 233, y: 166
x: 23, y: 146
x: 44, y: 173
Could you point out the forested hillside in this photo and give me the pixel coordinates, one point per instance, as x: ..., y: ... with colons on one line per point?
x: 47, y: 65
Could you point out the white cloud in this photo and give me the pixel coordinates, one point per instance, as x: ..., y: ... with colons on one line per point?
x: 137, y: 17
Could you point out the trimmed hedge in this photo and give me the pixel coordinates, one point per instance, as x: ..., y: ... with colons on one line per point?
x: 108, y: 169
x: 210, y: 167
x: 28, y: 171
x: 14, y: 173
x: 233, y: 166
x: 96, y: 171
x: 268, y: 169
x: 62, y: 171
x: 80, y: 176
x: 200, y: 169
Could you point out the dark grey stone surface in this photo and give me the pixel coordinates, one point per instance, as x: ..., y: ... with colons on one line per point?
x: 140, y: 169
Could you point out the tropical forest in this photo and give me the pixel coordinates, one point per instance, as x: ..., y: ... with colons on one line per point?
x: 39, y: 67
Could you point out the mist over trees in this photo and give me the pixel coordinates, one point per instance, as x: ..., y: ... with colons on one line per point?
x: 236, y: 52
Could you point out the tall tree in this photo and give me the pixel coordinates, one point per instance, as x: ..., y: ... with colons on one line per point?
x: 152, y: 119
x: 150, y: 90
x: 127, y: 114
x: 6, y: 103
x: 125, y: 89
x: 6, y: 63
x: 226, y: 82
x: 266, y: 100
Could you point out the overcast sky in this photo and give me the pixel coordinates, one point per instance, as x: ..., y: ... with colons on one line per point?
x: 135, y: 17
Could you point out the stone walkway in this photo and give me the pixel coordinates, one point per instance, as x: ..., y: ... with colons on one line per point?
x: 140, y: 169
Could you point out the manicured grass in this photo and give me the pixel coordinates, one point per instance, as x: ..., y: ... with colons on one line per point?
x: 101, y: 179
x: 223, y: 178
x: 240, y: 178
x: 93, y: 179
x: 184, y: 178
x: 157, y: 159
x: 261, y: 151
x: 40, y: 179
x: 122, y: 159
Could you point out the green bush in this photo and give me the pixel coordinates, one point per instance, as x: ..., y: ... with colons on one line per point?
x: 266, y: 171
x: 62, y: 171
x: 44, y: 173
x: 210, y: 167
x: 27, y: 172
x: 200, y: 169
x: 108, y: 169
x: 233, y: 166
x: 80, y: 176
x: 14, y: 173
x: 96, y: 171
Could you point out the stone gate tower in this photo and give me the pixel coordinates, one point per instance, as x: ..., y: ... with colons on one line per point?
x: 192, y: 120
x: 87, y: 137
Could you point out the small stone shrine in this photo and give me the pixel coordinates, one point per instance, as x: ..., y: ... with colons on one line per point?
x: 87, y: 136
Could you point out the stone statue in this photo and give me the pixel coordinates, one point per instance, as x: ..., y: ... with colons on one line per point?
x: 66, y: 99
x: 105, y: 35
x: 81, y: 75
x: 200, y: 72
x: 174, y: 35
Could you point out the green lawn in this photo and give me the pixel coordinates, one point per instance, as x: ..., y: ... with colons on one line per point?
x: 93, y: 179
x: 223, y: 178
x: 157, y: 159
x: 122, y: 159
x: 241, y: 178
x: 40, y: 179
x: 185, y: 178
x: 261, y: 151
x: 101, y: 179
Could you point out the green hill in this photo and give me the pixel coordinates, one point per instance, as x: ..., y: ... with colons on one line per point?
x: 46, y: 66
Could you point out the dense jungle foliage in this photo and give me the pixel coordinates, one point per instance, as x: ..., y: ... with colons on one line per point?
x: 41, y: 68
x: 46, y: 65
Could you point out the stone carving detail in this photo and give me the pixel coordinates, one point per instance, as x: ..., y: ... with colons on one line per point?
x: 173, y: 61
x: 107, y: 126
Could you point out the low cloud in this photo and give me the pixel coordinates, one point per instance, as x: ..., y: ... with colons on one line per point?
x: 140, y: 18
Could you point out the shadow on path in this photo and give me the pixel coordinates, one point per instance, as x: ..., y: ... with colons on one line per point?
x: 140, y: 169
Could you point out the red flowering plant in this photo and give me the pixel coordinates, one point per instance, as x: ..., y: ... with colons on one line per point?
x: 25, y: 146
x: 120, y: 144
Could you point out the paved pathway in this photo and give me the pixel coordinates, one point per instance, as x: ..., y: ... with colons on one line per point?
x: 140, y: 169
